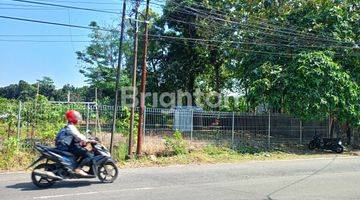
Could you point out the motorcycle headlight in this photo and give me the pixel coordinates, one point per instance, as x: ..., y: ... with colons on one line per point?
x: 340, y: 142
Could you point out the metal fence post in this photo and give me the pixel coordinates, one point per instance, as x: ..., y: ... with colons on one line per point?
x: 19, y: 122
x: 269, y: 129
x: 87, y: 119
x: 301, y: 133
x: 191, y: 125
x: 233, y: 128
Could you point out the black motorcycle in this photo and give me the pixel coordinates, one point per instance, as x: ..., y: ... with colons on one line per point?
x: 58, y: 165
x: 333, y: 144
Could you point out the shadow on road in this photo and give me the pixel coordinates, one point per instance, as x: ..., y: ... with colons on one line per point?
x: 300, y: 180
x: 63, y: 184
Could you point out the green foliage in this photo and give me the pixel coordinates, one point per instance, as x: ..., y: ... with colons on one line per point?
x: 120, y: 151
x: 318, y: 87
x: 123, y: 123
x: 176, y: 144
x: 10, y: 146
x: 9, y: 154
x: 9, y: 110
x: 234, y: 104
x: 99, y: 61
x: 248, y: 149
x: 268, y: 86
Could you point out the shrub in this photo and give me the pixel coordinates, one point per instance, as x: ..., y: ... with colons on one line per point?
x: 10, y: 146
x: 120, y: 151
x: 248, y: 150
x: 11, y: 155
x: 176, y: 144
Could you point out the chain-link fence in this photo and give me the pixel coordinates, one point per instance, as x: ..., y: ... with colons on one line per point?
x: 262, y: 129
x: 267, y: 129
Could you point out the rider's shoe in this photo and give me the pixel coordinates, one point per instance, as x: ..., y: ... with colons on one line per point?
x: 83, y: 174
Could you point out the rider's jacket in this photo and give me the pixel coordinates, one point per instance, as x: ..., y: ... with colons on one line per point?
x: 67, y: 136
x: 71, y: 129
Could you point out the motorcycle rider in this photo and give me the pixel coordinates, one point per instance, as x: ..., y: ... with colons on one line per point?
x: 70, y: 139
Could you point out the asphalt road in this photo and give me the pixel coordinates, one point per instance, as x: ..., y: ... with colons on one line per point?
x: 330, y: 178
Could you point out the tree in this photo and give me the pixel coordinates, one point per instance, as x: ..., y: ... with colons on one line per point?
x: 318, y: 88
x: 99, y: 60
x: 46, y: 87
x: 268, y: 88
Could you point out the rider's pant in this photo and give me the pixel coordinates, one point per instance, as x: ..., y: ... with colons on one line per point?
x: 77, y: 150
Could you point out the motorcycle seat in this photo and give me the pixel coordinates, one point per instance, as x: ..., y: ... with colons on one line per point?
x: 55, y: 150
x: 64, y: 153
x: 331, y: 140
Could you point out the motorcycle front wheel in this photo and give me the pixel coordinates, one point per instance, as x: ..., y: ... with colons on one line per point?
x: 107, y: 172
x: 40, y: 181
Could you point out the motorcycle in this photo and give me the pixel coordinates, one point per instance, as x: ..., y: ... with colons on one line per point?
x: 333, y: 144
x: 58, y: 165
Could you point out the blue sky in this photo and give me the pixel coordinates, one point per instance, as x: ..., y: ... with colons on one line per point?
x: 30, y: 61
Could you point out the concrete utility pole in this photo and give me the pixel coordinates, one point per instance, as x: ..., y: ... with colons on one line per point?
x: 118, y: 75
x: 133, y: 83
x: 143, y: 83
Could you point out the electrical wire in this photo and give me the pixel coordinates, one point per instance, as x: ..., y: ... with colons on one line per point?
x: 197, y: 12
x: 159, y: 36
x: 55, y: 23
x: 66, y: 6
x: 43, y: 41
x: 42, y: 35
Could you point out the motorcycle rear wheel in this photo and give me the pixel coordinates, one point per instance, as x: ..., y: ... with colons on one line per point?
x: 107, y: 172
x: 339, y: 149
x: 42, y: 182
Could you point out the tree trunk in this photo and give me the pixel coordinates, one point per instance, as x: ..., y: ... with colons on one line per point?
x: 217, y: 74
x: 347, y: 131
x: 332, y: 127
x: 191, y: 88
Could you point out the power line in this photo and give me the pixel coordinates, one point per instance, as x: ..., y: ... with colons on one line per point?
x: 55, y: 23
x: 66, y: 6
x: 226, y: 14
x: 251, y: 43
x: 18, y: 5
x: 158, y: 36
x: 83, y: 2
x: 42, y: 41
x: 196, y: 12
x: 244, y: 43
x: 285, y: 31
x: 206, y: 17
x: 31, y: 9
x: 41, y: 35
x: 217, y: 46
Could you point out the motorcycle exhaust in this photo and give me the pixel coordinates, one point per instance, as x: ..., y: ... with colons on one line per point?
x: 46, y: 174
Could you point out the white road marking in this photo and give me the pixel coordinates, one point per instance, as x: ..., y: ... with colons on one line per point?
x: 89, y: 193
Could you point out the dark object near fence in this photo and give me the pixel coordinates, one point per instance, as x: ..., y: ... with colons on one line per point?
x: 333, y: 144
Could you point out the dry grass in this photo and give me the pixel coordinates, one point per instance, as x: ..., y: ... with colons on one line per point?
x: 202, y: 152
x: 199, y: 152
